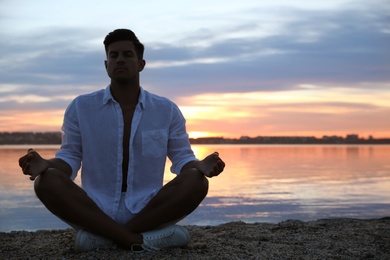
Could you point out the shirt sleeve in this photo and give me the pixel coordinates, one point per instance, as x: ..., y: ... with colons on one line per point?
x: 179, y: 148
x: 70, y: 150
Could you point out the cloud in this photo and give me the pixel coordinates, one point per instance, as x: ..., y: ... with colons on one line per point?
x: 307, y: 110
x: 270, y: 50
x: 347, y: 46
x: 344, y: 47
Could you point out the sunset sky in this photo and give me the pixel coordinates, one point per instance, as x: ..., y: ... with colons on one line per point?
x: 253, y: 68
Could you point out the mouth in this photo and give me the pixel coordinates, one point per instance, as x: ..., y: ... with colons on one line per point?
x: 120, y: 69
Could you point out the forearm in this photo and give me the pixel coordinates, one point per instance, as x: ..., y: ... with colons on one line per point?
x: 189, y: 165
x: 60, y: 165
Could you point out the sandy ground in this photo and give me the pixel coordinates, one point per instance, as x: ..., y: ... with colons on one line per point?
x: 292, y: 239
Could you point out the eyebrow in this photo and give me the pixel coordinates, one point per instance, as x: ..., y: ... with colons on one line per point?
x: 121, y: 51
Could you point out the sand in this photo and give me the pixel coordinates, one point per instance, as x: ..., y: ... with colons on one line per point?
x: 292, y: 239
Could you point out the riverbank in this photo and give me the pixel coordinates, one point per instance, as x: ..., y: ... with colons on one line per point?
x: 321, y: 239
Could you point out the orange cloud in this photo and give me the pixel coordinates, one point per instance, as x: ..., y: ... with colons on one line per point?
x: 307, y: 110
x: 50, y: 120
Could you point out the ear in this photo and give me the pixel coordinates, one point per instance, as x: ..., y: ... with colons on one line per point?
x: 141, y: 65
x: 105, y: 64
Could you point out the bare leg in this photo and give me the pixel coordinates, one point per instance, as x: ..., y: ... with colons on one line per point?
x: 71, y: 203
x: 174, y: 201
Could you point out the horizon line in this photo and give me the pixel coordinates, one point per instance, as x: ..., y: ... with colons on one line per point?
x: 356, y: 135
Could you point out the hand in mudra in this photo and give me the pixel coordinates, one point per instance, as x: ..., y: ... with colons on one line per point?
x: 33, y: 164
x: 211, y: 166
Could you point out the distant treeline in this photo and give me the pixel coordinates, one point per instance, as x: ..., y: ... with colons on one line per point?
x: 30, y: 138
x: 349, y: 139
x: 10, y: 138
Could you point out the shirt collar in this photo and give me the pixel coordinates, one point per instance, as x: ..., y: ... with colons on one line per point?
x: 142, y: 98
x: 108, y: 96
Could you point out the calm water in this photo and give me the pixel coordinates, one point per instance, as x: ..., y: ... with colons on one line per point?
x: 260, y: 184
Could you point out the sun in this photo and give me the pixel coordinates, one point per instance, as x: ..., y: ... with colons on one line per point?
x: 198, y: 134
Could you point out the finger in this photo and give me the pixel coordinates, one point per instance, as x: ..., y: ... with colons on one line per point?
x: 33, y: 176
x: 26, y: 169
x: 221, y: 165
x: 212, y: 171
x: 31, y: 152
x: 216, y: 170
x: 27, y: 160
x: 23, y: 159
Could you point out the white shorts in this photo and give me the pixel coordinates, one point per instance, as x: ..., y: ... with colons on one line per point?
x: 123, y: 216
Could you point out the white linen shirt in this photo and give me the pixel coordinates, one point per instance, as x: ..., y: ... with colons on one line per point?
x: 93, y: 135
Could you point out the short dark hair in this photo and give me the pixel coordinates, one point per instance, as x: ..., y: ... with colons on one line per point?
x: 124, y: 35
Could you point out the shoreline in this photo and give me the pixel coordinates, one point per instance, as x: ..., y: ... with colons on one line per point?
x: 339, y: 238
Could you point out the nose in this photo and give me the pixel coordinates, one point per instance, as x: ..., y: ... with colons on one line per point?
x: 120, y: 58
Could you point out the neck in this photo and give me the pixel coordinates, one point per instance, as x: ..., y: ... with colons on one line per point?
x: 125, y: 94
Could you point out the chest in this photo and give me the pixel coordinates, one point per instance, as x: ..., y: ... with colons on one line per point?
x: 128, y: 114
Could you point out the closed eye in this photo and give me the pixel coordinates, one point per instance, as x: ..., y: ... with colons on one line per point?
x: 113, y: 54
x: 129, y: 54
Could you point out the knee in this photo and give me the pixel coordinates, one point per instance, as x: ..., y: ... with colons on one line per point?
x: 48, y: 183
x: 197, y: 182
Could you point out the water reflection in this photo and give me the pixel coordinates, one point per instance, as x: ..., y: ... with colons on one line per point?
x: 260, y: 183
x: 271, y: 183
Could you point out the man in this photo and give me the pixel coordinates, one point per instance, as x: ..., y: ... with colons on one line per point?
x: 122, y: 135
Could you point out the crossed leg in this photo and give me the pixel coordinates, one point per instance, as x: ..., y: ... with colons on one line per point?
x: 71, y: 203
x: 177, y: 199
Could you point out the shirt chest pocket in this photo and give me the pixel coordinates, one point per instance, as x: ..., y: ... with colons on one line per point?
x: 154, y: 143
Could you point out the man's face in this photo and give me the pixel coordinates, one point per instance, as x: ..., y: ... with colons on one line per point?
x: 122, y: 62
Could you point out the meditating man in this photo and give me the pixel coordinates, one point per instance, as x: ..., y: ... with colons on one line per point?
x: 121, y: 137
